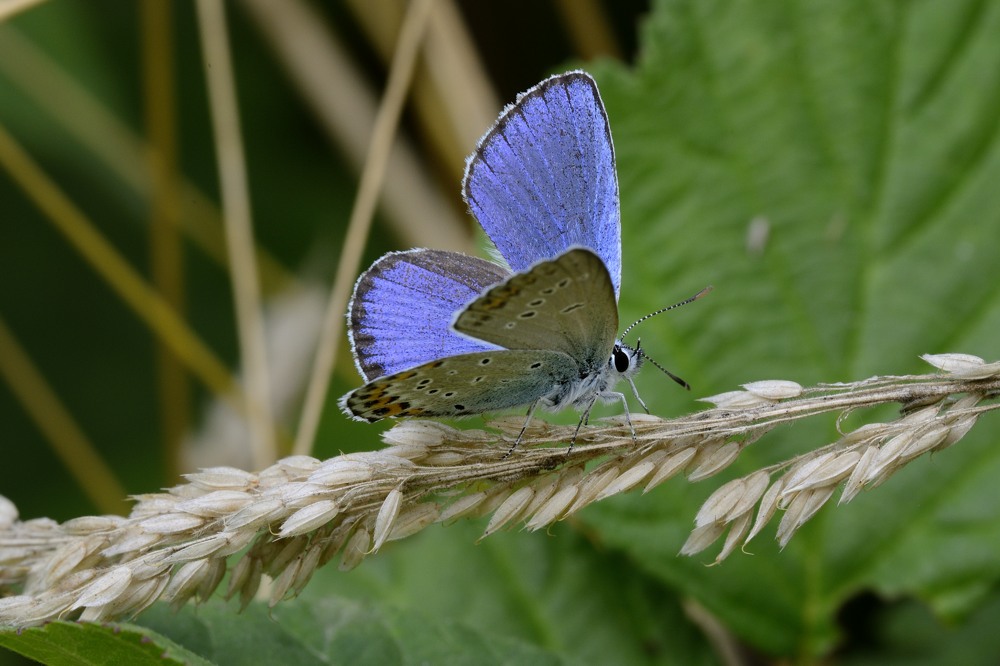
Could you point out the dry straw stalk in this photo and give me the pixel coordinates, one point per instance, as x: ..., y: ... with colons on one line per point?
x: 296, y: 515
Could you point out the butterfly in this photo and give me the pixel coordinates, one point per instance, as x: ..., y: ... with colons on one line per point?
x: 443, y: 334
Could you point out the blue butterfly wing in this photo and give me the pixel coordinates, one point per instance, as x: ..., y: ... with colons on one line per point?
x: 543, y: 179
x: 401, y: 312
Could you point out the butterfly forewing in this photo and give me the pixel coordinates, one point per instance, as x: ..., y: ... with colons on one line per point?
x: 462, y: 385
x: 543, y: 179
x: 566, y: 305
x: 403, y: 306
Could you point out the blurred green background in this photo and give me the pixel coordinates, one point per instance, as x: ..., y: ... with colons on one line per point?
x: 861, y: 136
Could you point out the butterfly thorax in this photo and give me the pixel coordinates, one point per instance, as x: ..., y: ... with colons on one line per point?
x: 597, y: 383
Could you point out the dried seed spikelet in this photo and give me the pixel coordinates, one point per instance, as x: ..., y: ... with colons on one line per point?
x: 199, y: 548
x: 222, y: 478
x: 334, y: 542
x: 768, y: 505
x: 309, y: 518
x: 774, y: 389
x: 420, y: 433
x: 445, y: 459
x: 86, y: 525
x: 714, y: 461
x: 869, y: 432
x: 554, y: 508
x: 255, y: 515
x: 412, y: 520
x: 412, y: 452
x: 79, y: 554
x: 171, y: 523
x: 737, y: 530
x: 211, y: 579
x: 105, y: 588
x: 733, y: 499
x: 251, y: 583
x: 495, y: 496
x: 185, y: 581
x: 965, y: 366
x: 310, y: 562
x: 929, y: 440
x: 718, y: 504
x: 235, y: 541
x: 799, y: 475
x: 341, y: 472
x: 701, y: 538
x: 139, y: 596
x: 596, y: 481
x: 298, y: 494
x: 386, y: 517
x: 297, y: 466
x: 131, y: 540
x: 547, y: 486
x: 675, y: 462
x: 284, y: 552
x: 460, y: 507
x: 635, y: 473
x: 239, y: 575
x: 544, y: 488
x: 856, y: 481
x: 888, y: 454
x: 356, y: 548
x: 509, y: 510
x: 284, y: 582
x: 801, y: 508
x: 959, y: 429
x: 216, y: 503
x: 833, y: 470
x: 736, y: 400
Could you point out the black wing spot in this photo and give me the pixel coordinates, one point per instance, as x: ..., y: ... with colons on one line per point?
x: 485, y: 361
x: 478, y: 379
x: 536, y: 365
x: 570, y: 308
x: 460, y: 408
x: 449, y: 394
x: 536, y: 303
x: 433, y: 391
x: 527, y: 315
x: 562, y: 284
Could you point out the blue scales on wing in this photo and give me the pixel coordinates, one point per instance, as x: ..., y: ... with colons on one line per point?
x: 543, y: 179
x: 401, y: 313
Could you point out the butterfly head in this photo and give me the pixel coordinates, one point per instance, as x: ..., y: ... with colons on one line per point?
x: 625, y: 360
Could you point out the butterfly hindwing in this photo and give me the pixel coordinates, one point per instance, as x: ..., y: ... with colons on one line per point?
x: 462, y: 385
x: 401, y: 312
x: 566, y: 305
x: 543, y: 179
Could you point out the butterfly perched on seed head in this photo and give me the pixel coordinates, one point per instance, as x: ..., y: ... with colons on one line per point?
x: 443, y: 334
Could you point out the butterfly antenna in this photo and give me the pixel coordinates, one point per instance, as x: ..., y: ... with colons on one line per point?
x: 642, y: 352
x: 703, y: 292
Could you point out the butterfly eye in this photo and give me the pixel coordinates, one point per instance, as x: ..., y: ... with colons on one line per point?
x: 620, y: 358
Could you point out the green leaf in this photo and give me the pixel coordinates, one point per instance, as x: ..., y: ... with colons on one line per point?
x: 75, y: 643
x: 866, y: 135
x: 561, y: 592
x: 335, y: 631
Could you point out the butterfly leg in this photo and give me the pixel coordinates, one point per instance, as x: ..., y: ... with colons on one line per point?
x: 635, y: 392
x: 584, y: 420
x: 612, y: 395
x: 531, y: 412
